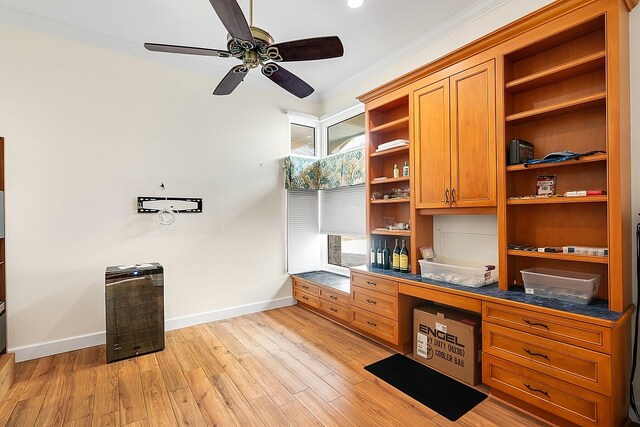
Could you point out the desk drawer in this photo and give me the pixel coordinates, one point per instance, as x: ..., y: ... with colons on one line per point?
x: 306, y: 298
x: 336, y: 310
x: 565, y: 400
x: 376, y: 302
x: 556, y: 328
x: 334, y: 297
x: 377, y: 325
x: 377, y: 284
x: 307, y: 287
x: 585, y: 368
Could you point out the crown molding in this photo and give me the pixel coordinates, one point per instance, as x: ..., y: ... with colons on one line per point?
x: 467, y: 15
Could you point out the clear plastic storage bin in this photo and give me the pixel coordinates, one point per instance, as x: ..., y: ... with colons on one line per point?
x: 472, y: 276
x: 569, y: 286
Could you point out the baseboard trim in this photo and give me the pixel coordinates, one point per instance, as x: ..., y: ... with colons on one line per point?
x: 48, y: 348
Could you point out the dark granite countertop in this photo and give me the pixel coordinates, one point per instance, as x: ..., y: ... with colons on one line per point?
x: 332, y: 280
x: 597, y: 309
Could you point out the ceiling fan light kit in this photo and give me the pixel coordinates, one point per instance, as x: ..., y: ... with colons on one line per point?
x: 256, y: 48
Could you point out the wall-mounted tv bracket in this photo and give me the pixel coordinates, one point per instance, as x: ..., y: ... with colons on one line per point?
x: 177, y: 204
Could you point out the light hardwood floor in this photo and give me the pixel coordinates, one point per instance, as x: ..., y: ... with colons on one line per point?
x: 285, y: 367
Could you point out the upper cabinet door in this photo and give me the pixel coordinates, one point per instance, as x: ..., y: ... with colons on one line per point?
x: 473, y: 137
x: 431, y: 157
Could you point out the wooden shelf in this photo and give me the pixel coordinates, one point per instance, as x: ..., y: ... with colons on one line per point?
x: 388, y: 180
x: 597, y: 99
x: 558, y: 200
x: 391, y: 126
x: 570, y: 69
x: 406, y: 233
x: 563, y: 257
x: 390, y: 152
x: 383, y: 201
x: 573, y: 162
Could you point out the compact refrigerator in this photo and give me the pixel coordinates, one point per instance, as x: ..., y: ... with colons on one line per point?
x: 134, y: 299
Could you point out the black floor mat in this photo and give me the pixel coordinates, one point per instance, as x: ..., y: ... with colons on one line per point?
x: 448, y: 397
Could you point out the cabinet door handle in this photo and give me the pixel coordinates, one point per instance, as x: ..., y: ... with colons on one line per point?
x: 530, y: 323
x: 370, y: 323
x: 453, y: 195
x: 333, y: 297
x: 446, y: 196
x: 533, y: 353
x: 372, y: 283
x: 372, y: 301
x: 536, y: 390
x: 333, y: 309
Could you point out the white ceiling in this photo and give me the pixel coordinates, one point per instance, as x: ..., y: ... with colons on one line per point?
x: 373, y: 36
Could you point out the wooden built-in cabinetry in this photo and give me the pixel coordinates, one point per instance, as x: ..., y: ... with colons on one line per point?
x: 558, y: 78
x: 455, y: 155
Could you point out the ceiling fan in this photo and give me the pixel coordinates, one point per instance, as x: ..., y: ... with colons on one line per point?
x: 255, y: 47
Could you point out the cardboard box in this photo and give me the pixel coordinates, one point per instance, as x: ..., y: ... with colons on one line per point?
x: 449, y: 341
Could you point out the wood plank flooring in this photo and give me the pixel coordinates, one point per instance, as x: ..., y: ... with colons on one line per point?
x: 284, y: 367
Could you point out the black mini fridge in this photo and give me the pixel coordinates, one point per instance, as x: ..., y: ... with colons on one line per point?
x: 134, y: 298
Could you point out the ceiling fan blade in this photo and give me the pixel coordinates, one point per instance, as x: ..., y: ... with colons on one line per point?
x: 306, y: 49
x: 233, y: 19
x: 169, y: 48
x: 287, y: 80
x: 231, y: 80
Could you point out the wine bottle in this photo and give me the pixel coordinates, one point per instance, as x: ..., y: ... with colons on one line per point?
x: 404, y: 258
x: 374, y: 256
x: 396, y: 257
x: 379, y: 255
x: 385, y: 257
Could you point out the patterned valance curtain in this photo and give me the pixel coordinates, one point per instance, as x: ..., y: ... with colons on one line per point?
x: 341, y: 170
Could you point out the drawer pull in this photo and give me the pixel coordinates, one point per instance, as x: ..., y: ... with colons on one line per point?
x: 371, y: 283
x: 372, y: 301
x: 305, y: 298
x: 536, y: 390
x: 305, y: 286
x: 533, y: 353
x: 530, y: 323
x: 370, y: 323
x: 333, y: 297
x: 335, y: 310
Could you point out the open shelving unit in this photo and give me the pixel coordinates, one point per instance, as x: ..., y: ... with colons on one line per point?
x: 389, y: 120
x: 555, y: 97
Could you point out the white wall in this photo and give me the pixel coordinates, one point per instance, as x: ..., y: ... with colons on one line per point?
x: 87, y: 131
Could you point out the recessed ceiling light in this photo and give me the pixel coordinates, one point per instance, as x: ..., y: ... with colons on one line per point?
x: 355, y: 3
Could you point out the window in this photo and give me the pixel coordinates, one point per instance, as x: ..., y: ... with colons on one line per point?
x: 346, y: 135
x: 303, y: 140
x: 346, y: 251
x: 326, y: 229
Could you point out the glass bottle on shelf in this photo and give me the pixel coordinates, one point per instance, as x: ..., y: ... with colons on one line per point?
x: 405, y: 169
x: 396, y: 171
x: 396, y: 257
x: 385, y: 257
x: 379, y: 255
x: 374, y: 256
x: 404, y: 258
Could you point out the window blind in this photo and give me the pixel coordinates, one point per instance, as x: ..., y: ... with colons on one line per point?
x: 342, y: 211
x: 303, y: 237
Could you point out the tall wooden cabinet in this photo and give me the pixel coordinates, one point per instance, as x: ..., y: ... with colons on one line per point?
x: 558, y: 78
x: 7, y: 360
x: 455, y: 157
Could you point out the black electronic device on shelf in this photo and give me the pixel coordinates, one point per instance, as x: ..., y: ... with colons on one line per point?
x: 520, y: 151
